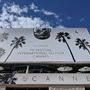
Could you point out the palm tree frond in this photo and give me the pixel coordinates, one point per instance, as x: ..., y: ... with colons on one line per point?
x: 61, y: 33
x: 59, y: 40
x: 86, y: 43
x: 22, y: 37
x: 83, y: 40
x: 12, y: 44
x: 23, y: 42
x: 78, y: 39
x: 58, y: 36
x: 16, y: 38
x: 88, y: 46
x: 83, y: 48
x: 77, y: 44
x: 80, y: 46
x: 20, y: 45
x: 68, y: 38
x: 66, y: 34
x: 13, y: 40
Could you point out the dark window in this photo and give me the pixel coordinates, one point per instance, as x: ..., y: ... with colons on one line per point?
x: 87, y: 88
x: 27, y: 88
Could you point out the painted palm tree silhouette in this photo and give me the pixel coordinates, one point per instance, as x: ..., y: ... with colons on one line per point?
x: 61, y: 36
x: 82, y: 43
x: 8, y: 78
x: 16, y: 43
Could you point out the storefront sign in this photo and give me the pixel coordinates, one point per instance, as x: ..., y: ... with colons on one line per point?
x: 53, y: 79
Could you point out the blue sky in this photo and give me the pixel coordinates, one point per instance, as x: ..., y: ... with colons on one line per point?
x: 66, y: 13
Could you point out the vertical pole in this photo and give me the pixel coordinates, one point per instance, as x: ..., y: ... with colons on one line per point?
x: 27, y: 70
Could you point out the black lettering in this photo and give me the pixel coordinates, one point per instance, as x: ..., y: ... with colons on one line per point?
x: 61, y: 78
x: 34, y: 78
x: 47, y: 78
x: 75, y: 78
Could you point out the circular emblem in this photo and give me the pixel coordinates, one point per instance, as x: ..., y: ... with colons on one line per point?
x: 42, y: 33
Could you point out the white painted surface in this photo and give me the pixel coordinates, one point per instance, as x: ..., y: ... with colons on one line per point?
x: 55, y: 79
x: 49, y: 50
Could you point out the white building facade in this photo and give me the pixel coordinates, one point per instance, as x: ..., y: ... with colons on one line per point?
x: 45, y: 59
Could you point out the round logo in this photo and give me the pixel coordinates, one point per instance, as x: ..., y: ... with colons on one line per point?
x: 42, y: 33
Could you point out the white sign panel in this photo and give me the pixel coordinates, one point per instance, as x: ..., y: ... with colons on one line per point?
x: 44, y: 45
x: 50, y: 79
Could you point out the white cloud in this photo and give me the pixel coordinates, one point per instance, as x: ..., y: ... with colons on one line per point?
x: 27, y: 22
x: 11, y: 17
x: 10, y: 20
x: 0, y: 1
x: 33, y: 6
x: 49, y: 13
x: 43, y: 11
x: 16, y: 9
